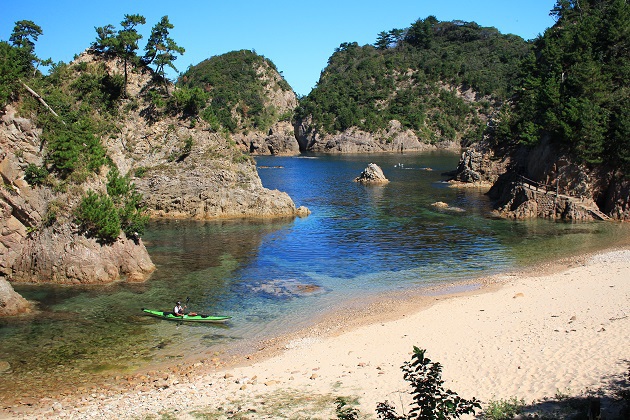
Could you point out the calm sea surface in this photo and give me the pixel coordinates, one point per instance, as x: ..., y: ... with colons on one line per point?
x: 272, y: 276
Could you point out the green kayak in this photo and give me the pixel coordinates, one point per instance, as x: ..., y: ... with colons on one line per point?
x: 189, y: 318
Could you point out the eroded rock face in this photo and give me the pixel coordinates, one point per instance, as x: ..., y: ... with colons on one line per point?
x: 185, y: 172
x: 542, y: 182
x: 373, y: 174
x: 208, y: 192
x: 522, y: 203
x: 63, y: 257
x: 353, y: 140
x: 478, y: 165
x: 278, y: 141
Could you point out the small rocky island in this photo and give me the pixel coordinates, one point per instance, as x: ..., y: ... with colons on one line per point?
x: 373, y: 174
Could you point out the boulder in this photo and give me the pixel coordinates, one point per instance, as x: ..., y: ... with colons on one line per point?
x: 11, y: 303
x: 373, y: 174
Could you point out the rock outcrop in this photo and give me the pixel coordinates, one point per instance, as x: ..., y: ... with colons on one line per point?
x: 278, y: 141
x: 373, y: 174
x: 61, y: 256
x: 186, y: 172
x: 542, y: 182
x: 479, y: 166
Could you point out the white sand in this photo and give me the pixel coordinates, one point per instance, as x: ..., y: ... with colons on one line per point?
x: 532, y: 337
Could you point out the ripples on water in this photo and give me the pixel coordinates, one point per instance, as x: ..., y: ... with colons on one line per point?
x: 359, y: 240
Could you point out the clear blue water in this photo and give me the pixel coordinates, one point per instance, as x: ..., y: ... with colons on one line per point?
x: 276, y: 275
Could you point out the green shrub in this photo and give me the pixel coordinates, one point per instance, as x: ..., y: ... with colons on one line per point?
x: 140, y: 172
x: 128, y: 202
x: 97, y: 217
x: 430, y: 399
x: 188, y: 101
x: 35, y: 175
x: 75, y: 147
x: 345, y: 411
x: 504, y: 409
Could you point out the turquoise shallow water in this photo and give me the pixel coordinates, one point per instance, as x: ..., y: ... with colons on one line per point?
x: 276, y: 275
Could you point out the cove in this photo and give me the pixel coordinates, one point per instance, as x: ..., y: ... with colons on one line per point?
x: 273, y: 276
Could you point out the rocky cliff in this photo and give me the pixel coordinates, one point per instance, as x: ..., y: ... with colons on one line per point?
x: 186, y: 172
x: 544, y: 182
x: 38, y: 240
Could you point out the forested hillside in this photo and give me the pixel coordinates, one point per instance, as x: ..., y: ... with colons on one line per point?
x: 567, y: 126
x: 91, y: 150
x: 237, y: 89
x: 440, y: 79
x: 575, y: 92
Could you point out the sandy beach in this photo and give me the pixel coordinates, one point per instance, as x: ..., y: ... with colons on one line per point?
x: 563, y: 331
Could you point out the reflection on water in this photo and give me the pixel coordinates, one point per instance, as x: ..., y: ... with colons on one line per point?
x: 274, y: 275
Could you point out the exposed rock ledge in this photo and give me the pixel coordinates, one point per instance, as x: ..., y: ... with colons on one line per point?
x: 62, y: 257
x: 203, y: 192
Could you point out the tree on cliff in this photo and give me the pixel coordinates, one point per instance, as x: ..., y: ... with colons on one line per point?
x: 161, y: 49
x: 123, y: 43
x: 25, y: 34
x: 128, y: 39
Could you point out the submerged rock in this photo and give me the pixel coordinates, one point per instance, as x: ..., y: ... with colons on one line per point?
x: 288, y: 288
x: 373, y: 174
x: 445, y: 206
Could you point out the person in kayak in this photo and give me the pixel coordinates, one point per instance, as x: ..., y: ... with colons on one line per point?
x: 178, y: 310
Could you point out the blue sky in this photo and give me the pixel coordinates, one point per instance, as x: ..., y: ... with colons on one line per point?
x: 298, y: 37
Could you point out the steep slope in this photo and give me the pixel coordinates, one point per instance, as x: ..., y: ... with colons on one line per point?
x: 432, y: 83
x: 249, y: 99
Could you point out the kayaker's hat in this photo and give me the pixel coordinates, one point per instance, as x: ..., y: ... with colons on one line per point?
x: 178, y: 302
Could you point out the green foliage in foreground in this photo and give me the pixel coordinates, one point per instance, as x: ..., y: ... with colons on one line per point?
x: 430, y: 399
